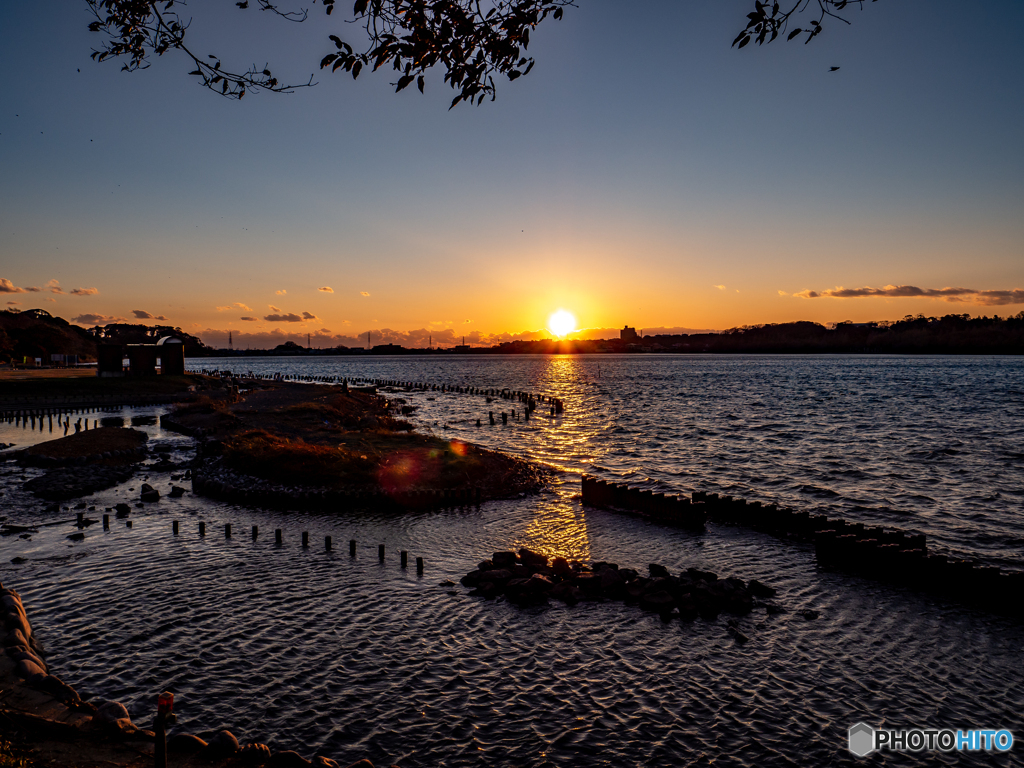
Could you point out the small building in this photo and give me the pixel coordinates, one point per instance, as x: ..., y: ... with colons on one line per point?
x: 628, y: 335
x: 172, y: 356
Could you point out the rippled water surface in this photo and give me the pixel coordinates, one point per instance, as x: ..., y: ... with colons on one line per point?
x: 324, y: 653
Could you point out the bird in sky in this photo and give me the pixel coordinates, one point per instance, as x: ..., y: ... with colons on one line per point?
x: 833, y: 69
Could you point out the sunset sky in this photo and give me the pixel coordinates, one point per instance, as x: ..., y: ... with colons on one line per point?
x: 644, y: 173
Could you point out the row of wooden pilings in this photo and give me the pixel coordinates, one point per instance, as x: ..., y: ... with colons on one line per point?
x: 891, y: 554
x: 403, y: 555
x: 530, y: 400
x: 28, y: 417
x: 669, y: 510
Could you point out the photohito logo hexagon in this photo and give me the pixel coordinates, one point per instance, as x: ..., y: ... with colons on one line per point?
x: 862, y: 739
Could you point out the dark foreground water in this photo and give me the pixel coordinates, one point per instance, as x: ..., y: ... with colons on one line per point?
x: 321, y: 652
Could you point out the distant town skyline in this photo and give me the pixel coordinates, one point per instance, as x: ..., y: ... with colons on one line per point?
x: 643, y: 174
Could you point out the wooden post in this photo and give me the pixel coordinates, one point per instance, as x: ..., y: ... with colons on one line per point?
x: 352, y: 547
x: 327, y: 543
x: 202, y: 529
x: 227, y: 530
x: 255, y: 532
x: 419, y: 565
x: 380, y: 552
x: 305, y: 539
x: 106, y: 522
x: 127, y: 523
x: 174, y: 527
x: 277, y: 535
x: 81, y: 519
x: 405, y: 558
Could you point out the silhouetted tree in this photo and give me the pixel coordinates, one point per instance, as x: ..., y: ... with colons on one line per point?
x: 472, y: 40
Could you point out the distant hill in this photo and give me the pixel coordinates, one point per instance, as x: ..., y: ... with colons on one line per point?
x: 37, y: 333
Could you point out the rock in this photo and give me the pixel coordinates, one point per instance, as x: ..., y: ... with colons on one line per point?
x: 186, y: 744
x: 532, y: 559
x: 222, y: 743
x: 362, y: 764
x: 76, y: 536
x: 18, y: 560
x: 122, y: 509
x: 59, y: 689
x: 657, y: 571
x: 254, y: 754
x: 810, y: 614
x: 504, y: 559
x: 287, y: 759
x: 325, y: 762
x: 471, y: 579
x: 560, y: 566
x: 567, y: 592
x: 149, y: 494
x: 176, y: 492
x: 499, y: 577
x: 612, y: 583
x: 111, y: 713
x: 774, y: 608
x: 26, y: 668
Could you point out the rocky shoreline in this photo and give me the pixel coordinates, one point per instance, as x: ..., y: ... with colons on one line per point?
x: 54, y: 720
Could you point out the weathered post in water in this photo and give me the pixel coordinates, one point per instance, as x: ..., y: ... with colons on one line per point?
x: 164, y: 717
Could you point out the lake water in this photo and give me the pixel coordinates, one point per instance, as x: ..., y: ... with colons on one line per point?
x: 348, y: 657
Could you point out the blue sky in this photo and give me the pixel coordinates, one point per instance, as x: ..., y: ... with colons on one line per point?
x: 643, y: 173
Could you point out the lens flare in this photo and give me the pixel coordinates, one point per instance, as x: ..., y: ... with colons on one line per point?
x: 561, y: 323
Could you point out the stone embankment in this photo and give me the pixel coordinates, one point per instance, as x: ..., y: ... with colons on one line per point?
x: 53, y: 719
x: 886, y: 553
x: 527, y: 578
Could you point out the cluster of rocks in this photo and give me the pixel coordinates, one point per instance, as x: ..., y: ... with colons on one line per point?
x: 527, y: 579
x: 21, y: 647
x: 72, y: 482
x: 23, y: 666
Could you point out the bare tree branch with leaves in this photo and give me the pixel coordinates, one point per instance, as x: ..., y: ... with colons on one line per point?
x: 473, y: 41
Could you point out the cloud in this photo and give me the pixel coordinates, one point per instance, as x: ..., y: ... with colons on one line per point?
x: 326, y: 289
x: 719, y: 287
x: 53, y: 286
x: 783, y: 293
x: 964, y: 295
x: 274, y: 309
x: 240, y: 305
x: 291, y: 317
x: 6, y: 286
x: 91, y: 318
x: 50, y: 299
x: 84, y: 291
x: 141, y: 314
x: 13, y: 303
x: 364, y: 293
x: 248, y: 319
x: 308, y: 316
x: 282, y: 292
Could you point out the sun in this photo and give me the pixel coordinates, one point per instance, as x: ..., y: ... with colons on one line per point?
x: 561, y: 323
